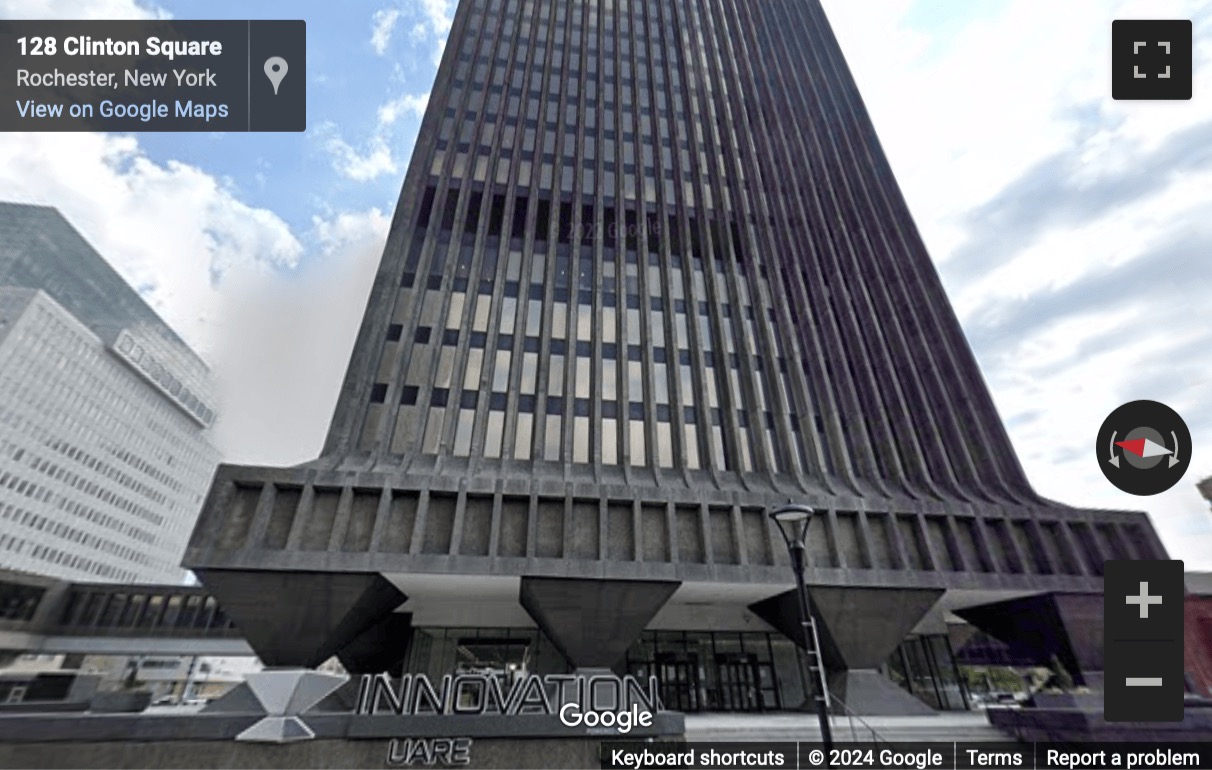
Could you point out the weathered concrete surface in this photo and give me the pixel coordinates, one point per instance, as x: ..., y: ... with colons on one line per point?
x: 484, y: 753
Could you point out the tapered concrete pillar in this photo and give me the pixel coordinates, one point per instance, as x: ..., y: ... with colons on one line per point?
x: 858, y: 629
x: 301, y: 619
x: 380, y: 648
x: 1069, y: 626
x: 593, y: 622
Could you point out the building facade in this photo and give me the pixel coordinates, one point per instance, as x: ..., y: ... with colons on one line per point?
x: 104, y: 415
x: 650, y: 274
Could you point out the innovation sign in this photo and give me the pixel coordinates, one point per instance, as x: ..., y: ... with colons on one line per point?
x: 601, y: 699
x: 434, y: 721
x: 586, y: 705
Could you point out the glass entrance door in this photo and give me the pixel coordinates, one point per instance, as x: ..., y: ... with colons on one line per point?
x: 739, y: 682
x: 679, y: 680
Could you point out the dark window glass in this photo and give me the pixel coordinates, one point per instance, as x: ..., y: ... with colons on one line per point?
x: 565, y: 222
x: 542, y: 220
x: 450, y: 337
x: 440, y: 397
x: 497, y: 216
x: 393, y: 332
x: 378, y: 393
x: 408, y: 395
x: 426, y: 207
x: 519, y: 217
x: 473, y: 212
x: 422, y: 335
x: 448, y: 212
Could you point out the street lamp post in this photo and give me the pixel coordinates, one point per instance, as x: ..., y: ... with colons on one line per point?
x: 792, y: 521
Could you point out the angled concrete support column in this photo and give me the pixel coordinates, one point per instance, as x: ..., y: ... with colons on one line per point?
x: 858, y: 629
x: 301, y: 619
x: 380, y: 648
x: 593, y: 622
x: 1069, y: 626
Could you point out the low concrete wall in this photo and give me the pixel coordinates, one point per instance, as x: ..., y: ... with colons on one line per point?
x: 484, y: 753
x: 342, y: 740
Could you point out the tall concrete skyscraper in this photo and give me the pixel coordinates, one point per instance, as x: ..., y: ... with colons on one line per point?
x: 650, y: 274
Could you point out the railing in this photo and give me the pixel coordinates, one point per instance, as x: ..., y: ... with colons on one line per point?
x: 851, y: 716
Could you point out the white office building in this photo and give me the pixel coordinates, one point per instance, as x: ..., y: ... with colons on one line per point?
x: 104, y: 415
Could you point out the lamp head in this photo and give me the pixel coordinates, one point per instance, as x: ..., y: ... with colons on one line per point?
x: 793, y: 520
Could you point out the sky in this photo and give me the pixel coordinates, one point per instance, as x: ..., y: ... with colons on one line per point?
x: 1073, y: 233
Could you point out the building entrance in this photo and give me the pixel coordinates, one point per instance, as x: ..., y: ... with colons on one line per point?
x: 680, y: 682
x: 696, y: 670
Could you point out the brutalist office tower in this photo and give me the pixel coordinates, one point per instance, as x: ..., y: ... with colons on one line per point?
x: 650, y: 274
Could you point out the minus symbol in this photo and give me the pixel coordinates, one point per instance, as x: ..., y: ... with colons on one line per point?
x: 1143, y: 681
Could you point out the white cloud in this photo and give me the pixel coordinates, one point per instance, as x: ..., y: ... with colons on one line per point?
x: 435, y: 19
x: 439, y: 14
x: 171, y: 228
x: 411, y: 104
x: 227, y: 276
x: 384, y: 22
x: 369, y: 163
x: 1009, y: 98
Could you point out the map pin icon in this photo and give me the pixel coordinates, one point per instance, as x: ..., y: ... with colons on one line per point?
x: 275, y: 70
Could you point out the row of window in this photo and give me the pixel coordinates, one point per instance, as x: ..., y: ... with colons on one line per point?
x: 65, y: 477
x: 168, y: 382
x: 18, y: 546
x: 686, y: 103
x: 80, y: 391
x: 39, y: 523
